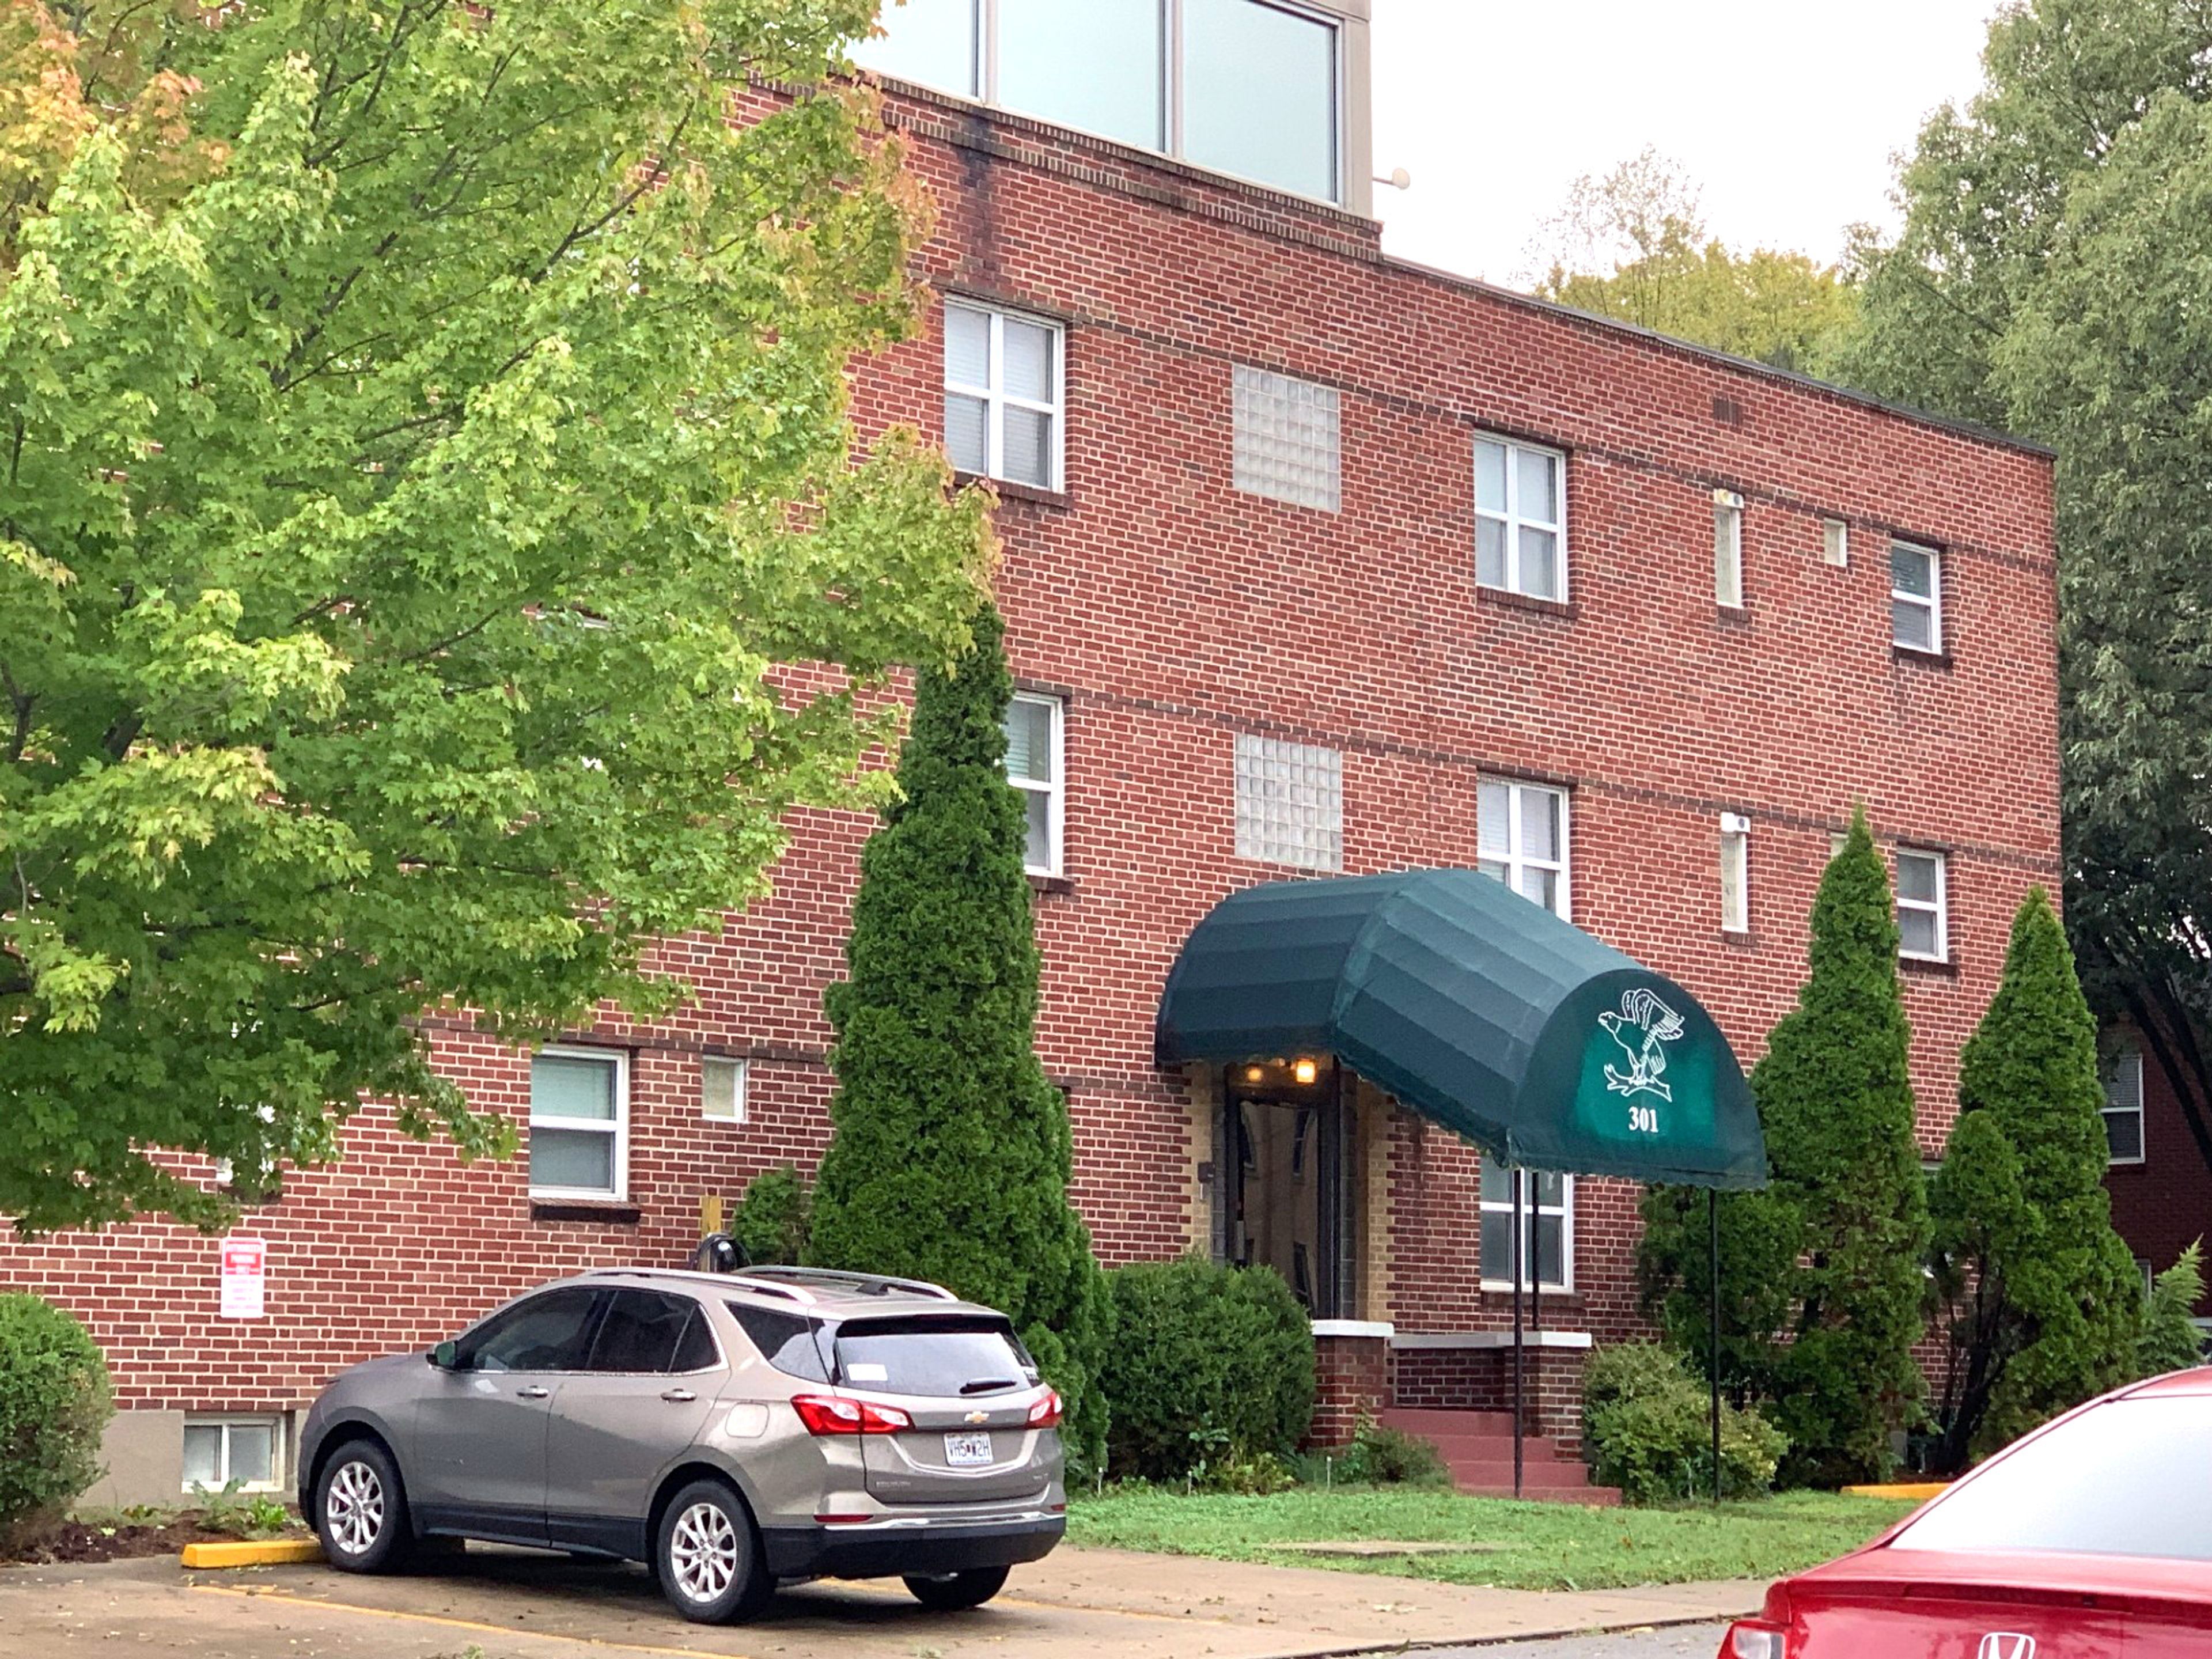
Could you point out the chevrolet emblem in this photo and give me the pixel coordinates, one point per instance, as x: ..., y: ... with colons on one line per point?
x: 979, y: 1416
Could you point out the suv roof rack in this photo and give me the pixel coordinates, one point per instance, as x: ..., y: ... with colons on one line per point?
x: 779, y: 1276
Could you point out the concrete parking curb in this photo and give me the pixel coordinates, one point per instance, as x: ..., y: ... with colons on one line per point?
x: 266, y: 1552
x: 1918, y: 1492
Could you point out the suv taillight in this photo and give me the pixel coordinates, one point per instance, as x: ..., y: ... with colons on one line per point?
x: 832, y: 1413
x: 1045, y: 1414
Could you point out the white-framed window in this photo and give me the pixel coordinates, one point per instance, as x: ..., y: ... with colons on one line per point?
x: 1253, y: 89
x: 1836, y: 543
x: 2123, y: 1106
x: 722, y: 1082
x: 1547, y: 1212
x: 1520, y: 838
x: 1728, y: 548
x: 1284, y: 438
x: 247, y: 1449
x: 1037, y: 764
x: 579, y: 1123
x: 1735, y: 874
x: 1289, y: 802
x: 1924, y: 904
x: 1915, y: 597
x: 1521, y: 518
x: 1003, y: 394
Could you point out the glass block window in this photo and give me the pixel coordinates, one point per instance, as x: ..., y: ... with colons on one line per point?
x: 1520, y: 518
x: 1728, y: 548
x: 1521, y: 831
x: 1003, y: 399
x: 1035, y: 766
x: 1547, y: 1212
x: 249, y: 1450
x: 2123, y: 1106
x: 722, y: 1089
x: 1290, y: 803
x: 1915, y: 597
x: 1923, y: 902
x: 579, y: 1123
x: 1286, y: 438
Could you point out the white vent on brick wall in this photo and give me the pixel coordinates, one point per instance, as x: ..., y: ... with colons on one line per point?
x: 1290, y: 803
x: 1836, y: 543
x: 1286, y: 438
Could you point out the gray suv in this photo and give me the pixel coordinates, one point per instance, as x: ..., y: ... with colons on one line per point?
x: 732, y: 1431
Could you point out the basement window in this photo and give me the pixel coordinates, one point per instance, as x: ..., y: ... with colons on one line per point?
x: 248, y: 1451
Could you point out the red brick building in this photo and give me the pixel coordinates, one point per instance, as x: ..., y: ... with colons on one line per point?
x: 1317, y: 561
x: 2161, y: 1185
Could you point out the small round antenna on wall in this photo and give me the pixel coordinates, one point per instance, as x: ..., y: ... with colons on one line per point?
x: 1398, y: 179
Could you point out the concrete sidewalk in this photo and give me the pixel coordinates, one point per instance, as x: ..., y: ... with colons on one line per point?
x: 1076, y: 1604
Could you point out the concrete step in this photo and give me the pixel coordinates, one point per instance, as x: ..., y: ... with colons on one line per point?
x: 1429, y: 1422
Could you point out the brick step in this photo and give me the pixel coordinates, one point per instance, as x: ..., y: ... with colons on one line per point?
x: 1490, y: 1448
x: 1598, y: 1497
x: 1491, y: 1472
x: 1429, y: 1421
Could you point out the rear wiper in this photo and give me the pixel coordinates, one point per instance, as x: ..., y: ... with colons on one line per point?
x: 985, y: 1384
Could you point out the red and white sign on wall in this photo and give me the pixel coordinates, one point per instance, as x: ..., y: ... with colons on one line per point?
x: 245, y: 1277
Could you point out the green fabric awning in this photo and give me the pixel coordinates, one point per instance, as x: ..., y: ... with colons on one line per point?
x: 1482, y: 1011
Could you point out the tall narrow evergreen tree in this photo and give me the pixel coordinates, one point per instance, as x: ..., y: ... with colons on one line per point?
x: 950, y: 1151
x: 1822, y: 1272
x: 2045, y: 1308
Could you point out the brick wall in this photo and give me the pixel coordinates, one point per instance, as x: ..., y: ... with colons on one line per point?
x: 1351, y: 1381
x: 1173, y: 613
x: 2163, y: 1204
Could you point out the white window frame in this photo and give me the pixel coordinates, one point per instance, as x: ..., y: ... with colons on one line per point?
x: 741, y: 1089
x: 1728, y: 549
x: 276, y: 1423
x: 1512, y: 518
x: 2132, y: 1058
x: 1054, y: 789
x: 1564, y: 1210
x: 1515, y: 859
x: 1736, y: 866
x: 1941, y: 908
x: 996, y: 400
x: 618, y: 1126
x: 1933, y: 604
x: 984, y: 81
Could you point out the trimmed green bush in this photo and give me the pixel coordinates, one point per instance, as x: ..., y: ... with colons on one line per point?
x: 1208, y: 1361
x: 2044, y: 1306
x: 950, y: 1153
x: 1647, y: 1429
x: 2171, y: 1340
x: 772, y: 1219
x: 1821, y: 1277
x: 55, y: 1401
x: 1383, y: 1456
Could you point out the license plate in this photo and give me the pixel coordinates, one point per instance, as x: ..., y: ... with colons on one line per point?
x: 966, y: 1451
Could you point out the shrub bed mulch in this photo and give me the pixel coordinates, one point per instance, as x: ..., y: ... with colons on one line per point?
x: 74, y: 1541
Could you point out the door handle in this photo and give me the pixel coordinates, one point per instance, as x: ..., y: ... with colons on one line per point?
x: 533, y: 1392
x: 679, y: 1396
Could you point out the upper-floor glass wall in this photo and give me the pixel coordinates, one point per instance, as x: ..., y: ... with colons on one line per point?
x: 1244, y: 86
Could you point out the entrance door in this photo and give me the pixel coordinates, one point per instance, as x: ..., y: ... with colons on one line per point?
x: 1283, y: 1145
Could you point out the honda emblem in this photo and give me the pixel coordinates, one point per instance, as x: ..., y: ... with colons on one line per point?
x: 2006, y: 1644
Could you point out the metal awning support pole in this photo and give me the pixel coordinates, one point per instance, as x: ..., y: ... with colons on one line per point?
x: 1713, y: 1241
x: 1519, y: 1369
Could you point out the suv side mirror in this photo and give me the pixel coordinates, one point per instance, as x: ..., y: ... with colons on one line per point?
x: 447, y: 1356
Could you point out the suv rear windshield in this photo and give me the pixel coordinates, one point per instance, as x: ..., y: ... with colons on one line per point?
x: 2133, y: 1477
x: 956, y: 1358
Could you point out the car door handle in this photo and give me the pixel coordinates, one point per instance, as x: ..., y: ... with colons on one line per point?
x: 533, y: 1392
x: 679, y: 1396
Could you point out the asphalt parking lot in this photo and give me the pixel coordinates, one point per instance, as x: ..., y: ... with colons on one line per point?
x: 1078, y: 1604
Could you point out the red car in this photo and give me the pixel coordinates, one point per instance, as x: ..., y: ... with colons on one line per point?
x: 2090, y: 1538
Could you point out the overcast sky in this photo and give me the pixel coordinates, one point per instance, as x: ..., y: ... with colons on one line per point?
x: 1787, y: 114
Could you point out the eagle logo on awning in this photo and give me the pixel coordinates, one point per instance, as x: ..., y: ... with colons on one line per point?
x: 1642, y: 1028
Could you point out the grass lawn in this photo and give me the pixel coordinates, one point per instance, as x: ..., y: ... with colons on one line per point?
x: 1528, y: 1545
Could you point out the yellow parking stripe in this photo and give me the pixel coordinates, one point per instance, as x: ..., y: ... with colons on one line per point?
x: 460, y: 1624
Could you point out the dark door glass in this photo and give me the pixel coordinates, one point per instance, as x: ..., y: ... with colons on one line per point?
x: 639, y: 1333
x: 548, y: 1332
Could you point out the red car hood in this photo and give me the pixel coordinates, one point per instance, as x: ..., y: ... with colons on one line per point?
x: 1920, y: 1604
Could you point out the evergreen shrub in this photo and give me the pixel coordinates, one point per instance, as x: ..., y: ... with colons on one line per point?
x: 55, y: 1401
x: 2171, y: 1340
x: 1647, y: 1429
x: 1383, y: 1456
x: 1207, y: 1361
x: 771, y: 1220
